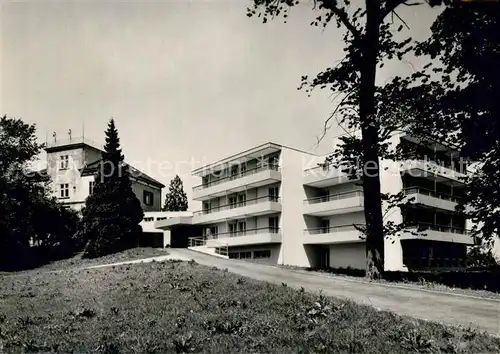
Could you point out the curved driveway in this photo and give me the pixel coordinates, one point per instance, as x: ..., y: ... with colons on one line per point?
x: 448, y: 308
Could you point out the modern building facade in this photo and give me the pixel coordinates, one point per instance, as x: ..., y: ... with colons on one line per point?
x: 72, y: 165
x: 280, y: 205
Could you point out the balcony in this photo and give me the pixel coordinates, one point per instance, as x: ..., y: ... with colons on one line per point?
x: 431, y: 198
x: 321, y: 177
x: 434, y: 171
x: 247, y: 237
x: 443, y: 233
x: 332, y: 235
x: 252, y: 178
x: 251, y: 207
x: 334, y: 204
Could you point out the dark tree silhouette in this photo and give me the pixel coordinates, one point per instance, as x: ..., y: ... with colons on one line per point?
x: 34, y: 228
x: 112, y: 213
x: 176, y: 198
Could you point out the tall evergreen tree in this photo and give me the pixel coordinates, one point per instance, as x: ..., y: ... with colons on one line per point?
x: 112, y: 213
x: 176, y: 198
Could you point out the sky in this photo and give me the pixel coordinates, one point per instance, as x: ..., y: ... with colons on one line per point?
x: 187, y: 82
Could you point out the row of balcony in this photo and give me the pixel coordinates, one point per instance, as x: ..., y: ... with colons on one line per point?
x: 323, y: 176
x: 254, y: 236
x: 334, y: 204
x: 336, y: 234
x: 318, y: 177
x: 268, y: 204
x: 251, y: 178
x: 327, y: 205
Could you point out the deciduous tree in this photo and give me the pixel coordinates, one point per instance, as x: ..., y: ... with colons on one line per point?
x: 368, y: 35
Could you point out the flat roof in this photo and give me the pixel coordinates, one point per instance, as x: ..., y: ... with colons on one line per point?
x: 265, y: 148
x: 166, y: 224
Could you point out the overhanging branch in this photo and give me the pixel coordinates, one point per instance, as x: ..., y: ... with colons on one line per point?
x: 341, y: 14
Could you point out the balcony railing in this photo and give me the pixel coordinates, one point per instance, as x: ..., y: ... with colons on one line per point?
x: 422, y: 226
x: 434, y: 164
x: 318, y: 170
x: 246, y: 232
x: 431, y: 193
x: 332, y: 197
x: 331, y: 229
x: 238, y: 204
x: 240, y: 174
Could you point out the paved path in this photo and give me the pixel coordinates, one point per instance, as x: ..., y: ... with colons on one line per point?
x: 448, y: 308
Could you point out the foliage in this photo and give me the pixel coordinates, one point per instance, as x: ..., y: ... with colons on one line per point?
x: 185, y: 307
x: 176, y: 198
x: 34, y: 228
x: 370, y: 42
x: 480, y: 257
x: 459, y: 96
x: 112, y: 213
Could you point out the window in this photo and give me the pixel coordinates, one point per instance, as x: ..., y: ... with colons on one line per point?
x: 149, y: 219
x: 211, y: 232
x: 148, y: 198
x: 232, y: 202
x: 214, y: 230
x: 240, y: 255
x: 64, y: 190
x: 234, y: 172
x: 242, y: 227
x: 242, y: 199
x: 262, y: 254
x: 91, y: 187
x: 325, y: 226
x: 243, y: 169
x: 233, y: 227
x: 244, y: 255
x: 273, y: 224
x: 273, y: 194
x: 214, y: 205
x: 161, y: 218
x: 325, y: 196
x: 64, y: 162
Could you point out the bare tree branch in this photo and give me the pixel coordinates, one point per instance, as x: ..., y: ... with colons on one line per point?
x: 341, y: 14
x: 325, y: 127
x: 400, y: 19
x: 390, y: 6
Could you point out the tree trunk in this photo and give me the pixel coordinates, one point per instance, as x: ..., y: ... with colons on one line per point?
x: 370, y: 141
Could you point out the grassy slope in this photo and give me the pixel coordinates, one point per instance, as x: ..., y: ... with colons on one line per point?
x: 184, y: 307
x: 128, y: 255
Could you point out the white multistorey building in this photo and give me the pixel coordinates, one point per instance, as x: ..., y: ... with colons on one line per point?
x: 280, y: 205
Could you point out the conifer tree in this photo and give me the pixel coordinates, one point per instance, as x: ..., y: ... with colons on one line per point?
x: 176, y: 198
x: 112, y: 213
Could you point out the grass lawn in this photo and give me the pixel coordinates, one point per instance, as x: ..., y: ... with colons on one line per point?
x: 185, y: 307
